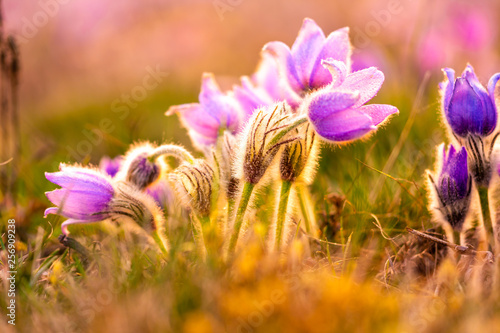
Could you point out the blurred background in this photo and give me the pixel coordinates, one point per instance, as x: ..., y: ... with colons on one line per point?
x: 97, y: 75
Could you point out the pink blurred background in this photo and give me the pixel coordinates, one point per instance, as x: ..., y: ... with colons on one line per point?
x: 80, y: 52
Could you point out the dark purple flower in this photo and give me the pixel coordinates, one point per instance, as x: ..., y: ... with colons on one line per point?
x: 301, y: 65
x: 84, y: 195
x: 110, y: 166
x: 337, y: 112
x: 453, y: 181
x: 215, y: 112
x: 453, y: 186
x: 468, y: 107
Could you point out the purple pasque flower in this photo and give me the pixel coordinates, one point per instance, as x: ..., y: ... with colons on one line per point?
x: 111, y: 166
x: 215, y: 112
x: 84, y: 196
x: 301, y: 65
x: 265, y: 87
x: 453, y: 186
x: 468, y: 107
x: 337, y: 111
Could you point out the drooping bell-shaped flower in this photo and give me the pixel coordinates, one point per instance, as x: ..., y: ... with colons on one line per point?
x: 452, y: 187
x: 301, y: 65
x: 138, y: 168
x: 337, y: 111
x: 469, y: 108
x: 85, y: 195
x: 215, y: 112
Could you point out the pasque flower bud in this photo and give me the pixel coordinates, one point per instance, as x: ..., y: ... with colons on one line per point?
x: 452, y: 188
x: 263, y: 140
x: 193, y: 184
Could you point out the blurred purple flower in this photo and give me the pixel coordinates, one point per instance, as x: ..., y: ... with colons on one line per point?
x: 301, y: 65
x: 84, y: 195
x: 453, y: 186
x: 468, y: 107
x: 215, y: 112
x: 337, y: 112
x: 110, y: 165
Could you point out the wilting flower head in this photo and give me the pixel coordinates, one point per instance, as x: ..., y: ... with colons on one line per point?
x: 111, y: 166
x: 215, y: 112
x: 262, y: 141
x: 337, y: 111
x: 193, y: 184
x: 301, y: 65
x: 138, y: 168
x: 452, y: 190
x: 468, y: 107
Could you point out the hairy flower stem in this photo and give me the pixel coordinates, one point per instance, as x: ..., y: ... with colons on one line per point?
x: 172, y: 150
x: 286, y: 186
x: 302, y: 195
x: 485, y: 210
x: 197, y: 227
x: 246, y: 193
x: 160, y: 242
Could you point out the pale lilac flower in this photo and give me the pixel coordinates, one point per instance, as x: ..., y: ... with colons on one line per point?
x: 215, y: 112
x: 84, y: 196
x: 301, y: 65
x: 337, y: 111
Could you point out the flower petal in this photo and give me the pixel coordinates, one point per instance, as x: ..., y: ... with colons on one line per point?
x: 337, y: 69
x: 367, y: 81
x: 336, y: 46
x: 447, y: 87
x: 306, y: 49
x: 345, y: 125
x: 378, y: 112
x: 325, y: 103
x: 89, y: 205
x: 286, y: 64
x: 80, y: 180
x: 492, y: 83
x: 216, y: 104
x: 194, y: 118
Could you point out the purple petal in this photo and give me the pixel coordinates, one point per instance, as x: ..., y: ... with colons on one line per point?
x: 200, y: 141
x: 306, y: 49
x: 250, y: 97
x: 336, y: 46
x: 492, y: 85
x: 51, y: 210
x: 378, y: 112
x: 337, y: 69
x: 80, y: 180
x: 194, y: 117
x: 367, y: 81
x: 447, y: 86
x: 345, y: 125
x: 286, y: 65
x: 80, y: 204
x: 110, y: 166
x: 216, y: 104
x: 324, y: 104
